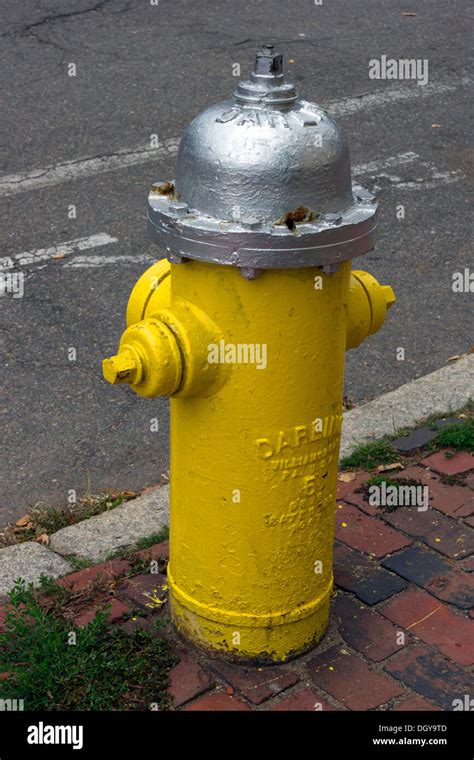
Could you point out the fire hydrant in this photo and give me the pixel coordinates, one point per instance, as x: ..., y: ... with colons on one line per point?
x: 244, y: 326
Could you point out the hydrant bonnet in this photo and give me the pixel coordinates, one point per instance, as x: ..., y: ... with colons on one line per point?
x: 263, y: 180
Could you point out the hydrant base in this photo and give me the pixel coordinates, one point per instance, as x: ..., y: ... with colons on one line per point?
x: 253, y: 639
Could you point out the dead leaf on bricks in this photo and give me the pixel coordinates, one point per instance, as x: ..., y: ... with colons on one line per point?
x: 454, y: 358
x: 346, y: 477
x: 390, y: 467
x: 43, y: 538
x: 408, y: 13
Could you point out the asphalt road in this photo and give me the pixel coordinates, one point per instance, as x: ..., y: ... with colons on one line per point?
x: 144, y: 69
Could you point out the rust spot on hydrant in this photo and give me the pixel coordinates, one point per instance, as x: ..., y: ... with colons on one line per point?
x: 300, y: 214
x: 165, y: 188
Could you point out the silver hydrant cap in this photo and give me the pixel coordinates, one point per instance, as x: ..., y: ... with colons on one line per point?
x: 265, y: 152
x: 263, y: 180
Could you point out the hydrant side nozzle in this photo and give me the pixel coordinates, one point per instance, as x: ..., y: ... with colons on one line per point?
x: 149, y: 360
x: 367, y: 307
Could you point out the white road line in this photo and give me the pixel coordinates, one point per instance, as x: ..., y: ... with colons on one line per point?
x: 372, y: 167
x: 87, y: 262
x: 387, y: 96
x: 434, y: 179
x: 70, y: 170
x: 60, y: 251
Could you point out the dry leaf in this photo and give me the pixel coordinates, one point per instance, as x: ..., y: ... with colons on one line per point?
x: 454, y: 358
x: 436, y: 126
x: 126, y: 494
x: 43, y: 538
x: 23, y: 521
x: 408, y: 13
x: 59, y: 256
x: 390, y: 467
x: 346, y: 477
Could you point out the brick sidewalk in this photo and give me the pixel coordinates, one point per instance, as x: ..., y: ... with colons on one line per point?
x: 400, y: 635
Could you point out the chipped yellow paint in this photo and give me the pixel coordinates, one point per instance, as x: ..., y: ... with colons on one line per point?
x: 254, y: 450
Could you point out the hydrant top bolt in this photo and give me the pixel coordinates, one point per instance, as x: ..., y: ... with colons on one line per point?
x: 268, y: 63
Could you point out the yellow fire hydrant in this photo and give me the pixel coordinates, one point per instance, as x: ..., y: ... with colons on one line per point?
x: 244, y: 326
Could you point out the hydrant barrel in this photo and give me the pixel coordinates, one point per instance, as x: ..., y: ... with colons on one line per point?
x: 244, y: 326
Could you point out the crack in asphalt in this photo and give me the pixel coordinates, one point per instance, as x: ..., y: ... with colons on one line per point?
x: 56, y: 17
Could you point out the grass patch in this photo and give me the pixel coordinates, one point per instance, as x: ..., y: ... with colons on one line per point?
x: 143, y: 543
x: 79, y: 563
x: 378, y: 480
x: 156, y: 538
x: 105, y: 669
x: 369, y: 455
x: 458, y: 435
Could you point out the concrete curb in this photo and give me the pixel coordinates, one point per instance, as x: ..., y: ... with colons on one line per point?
x: 29, y: 561
x: 95, y: 539
x: 442, y: 391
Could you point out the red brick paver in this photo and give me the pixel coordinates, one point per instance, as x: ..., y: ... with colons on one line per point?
x: 436, y: 574
x: 257, y: 684
x: 367, y: 534
x: 117, y: 610
x: 434, y: 623
x: 436, y: 530
x: 350, y: 680
x: 460, y: 462
x: 364, y: 577
x: 157, y: 552
x: 430, y: 674
x: 187, y: 680
x: 103, y: 573
x: 366, y: 631
x: 346, y: 488
x: 453, y: 500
